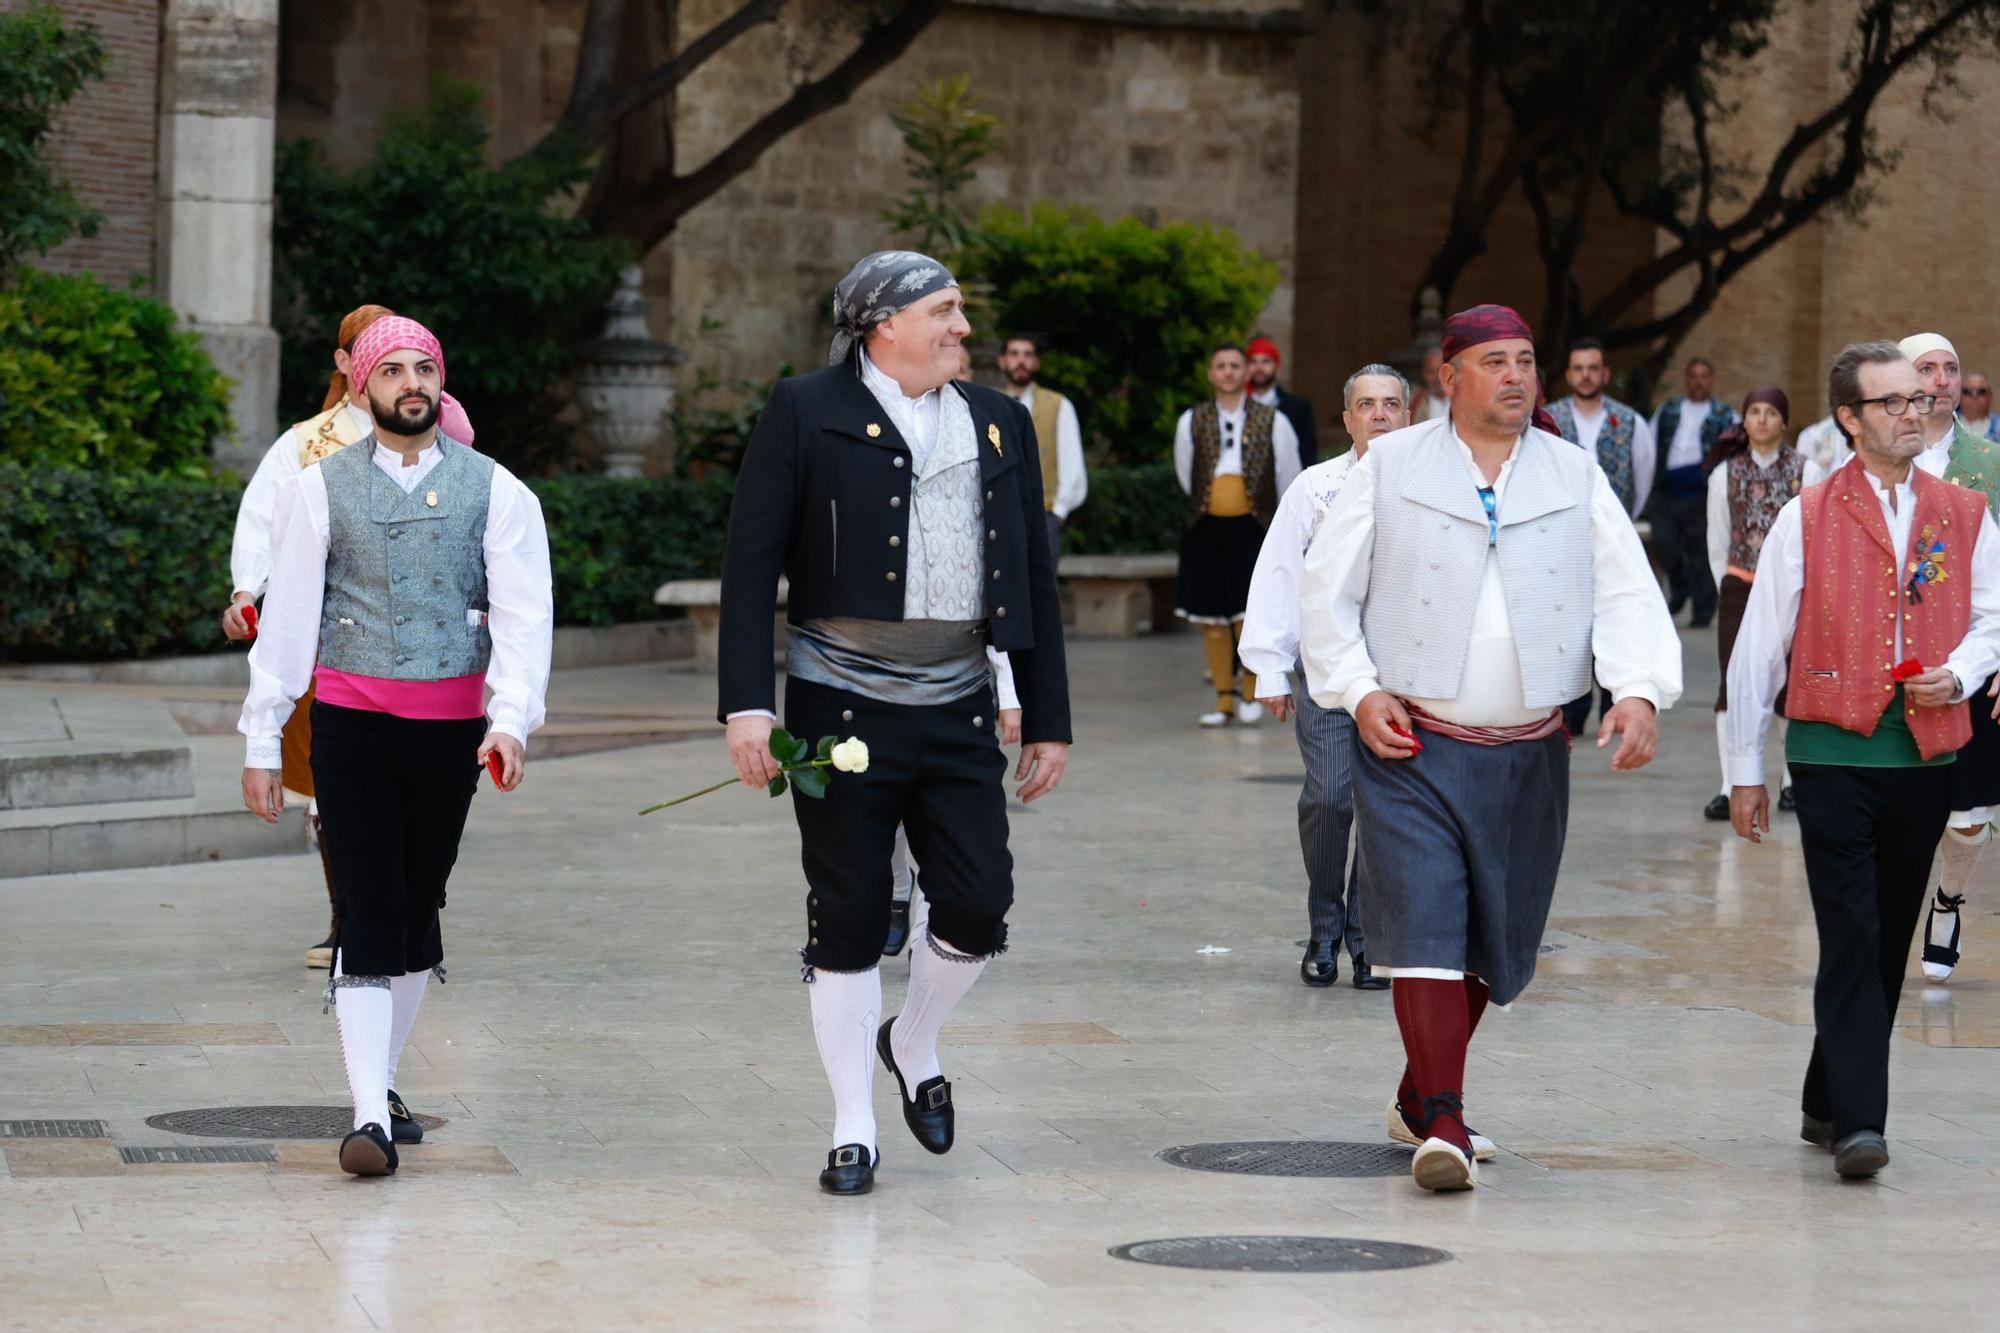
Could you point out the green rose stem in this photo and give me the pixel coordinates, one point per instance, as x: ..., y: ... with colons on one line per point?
x: 730, y: 782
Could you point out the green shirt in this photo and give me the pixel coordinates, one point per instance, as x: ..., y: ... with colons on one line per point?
x: 1892, y: 745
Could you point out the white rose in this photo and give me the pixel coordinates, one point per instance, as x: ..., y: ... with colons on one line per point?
x: 851, y: 755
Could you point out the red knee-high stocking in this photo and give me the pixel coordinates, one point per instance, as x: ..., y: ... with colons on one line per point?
x: 1435, y: 1020
x: 1477, y: 993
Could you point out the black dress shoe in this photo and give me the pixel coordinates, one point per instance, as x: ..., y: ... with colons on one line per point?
x: 849, y: 1170
x: 1817, y: 1132
x: 930, y: 1115
x: 1786, y: 802
x: 1321, y: 965
x: 899, y: 927
x: 1860, y: 1155
x: 368, y: 1152
x: 1718, y: 809
x: 1364, y: 975
x: 403, y: 1127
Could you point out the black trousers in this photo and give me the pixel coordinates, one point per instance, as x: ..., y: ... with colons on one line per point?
x: 393, y: 795
x: 1680, y: 543
x: 938, y: 772
x: 1868, y: 834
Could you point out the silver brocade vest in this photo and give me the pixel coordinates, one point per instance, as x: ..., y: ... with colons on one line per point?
x: 403, y: 571
x: 941, y: 579
x: 1429, y: 559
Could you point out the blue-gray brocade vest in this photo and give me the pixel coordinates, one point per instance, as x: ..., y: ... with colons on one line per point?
x: 1614, y: 441
x: 404, y: 571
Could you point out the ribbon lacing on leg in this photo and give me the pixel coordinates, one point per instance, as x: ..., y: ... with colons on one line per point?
x: 343, y: 982
x: 953, y: 956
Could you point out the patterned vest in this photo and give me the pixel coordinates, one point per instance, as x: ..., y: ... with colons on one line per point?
x: 327, y: 434
x: 1712, y: 427
x: 402, y: 570
x: 1755, y: 497
x: 1856, y: 582
x: 1260, y: 468
x: 1429, y: 560
x: 1045, y: 413
x: 1975, y: 465
x: 1614, y: 442
x: 941, y: 580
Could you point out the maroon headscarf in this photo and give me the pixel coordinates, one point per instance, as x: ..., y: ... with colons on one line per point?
x: 1490, y: 323
x: 1736, y: 439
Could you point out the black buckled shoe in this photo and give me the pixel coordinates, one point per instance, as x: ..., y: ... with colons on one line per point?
x: 1817, y: 1132
x: 1787, y: 802
x: 368, y: 1152
x: 1718, y: 808
x: 1321, y: 965
x: 929, y: 1115
x: 899, y: 927
x: 403, y: 1127
x: 850, y: 1169
x: 1860, y: 1155
x: 1364, y: 975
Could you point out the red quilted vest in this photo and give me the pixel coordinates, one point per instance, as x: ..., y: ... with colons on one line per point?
x: 1843, y: 651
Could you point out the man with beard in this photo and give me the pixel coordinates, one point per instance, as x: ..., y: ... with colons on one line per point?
x: 1058, y: 439
x: 1265, y: 389
x: 1965, y: 459
x: 907, y: 511
x: 409, y: 578
x: 1468, y: 575
x: 1876, y: 609
x: 1377, y: 400
x: 1685, y: 429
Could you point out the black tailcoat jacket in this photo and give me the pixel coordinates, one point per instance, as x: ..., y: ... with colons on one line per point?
x: 823, y: 497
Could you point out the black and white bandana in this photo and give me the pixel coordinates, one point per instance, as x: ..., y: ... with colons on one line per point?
x: 876, y: 288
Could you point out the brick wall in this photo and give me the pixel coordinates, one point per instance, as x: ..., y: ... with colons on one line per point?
x: 107, y: 139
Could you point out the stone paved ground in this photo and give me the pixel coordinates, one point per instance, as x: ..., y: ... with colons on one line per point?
x: 635, y: 1113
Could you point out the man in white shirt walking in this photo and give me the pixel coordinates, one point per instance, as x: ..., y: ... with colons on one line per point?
x: 1685, y: 429
x: 1234, y: 458
x: 1057, y: 435
x: 1376, y: 400
x: 1469, y: 574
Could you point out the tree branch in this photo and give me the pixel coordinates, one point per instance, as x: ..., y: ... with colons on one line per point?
x: 649, y: 214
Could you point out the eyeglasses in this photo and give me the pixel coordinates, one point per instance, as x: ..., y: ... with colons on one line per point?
x: 1895, y: 404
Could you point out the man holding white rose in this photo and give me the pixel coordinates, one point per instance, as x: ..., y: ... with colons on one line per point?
x: 907, y: 512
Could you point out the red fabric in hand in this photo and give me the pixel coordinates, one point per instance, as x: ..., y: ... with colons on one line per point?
x: 1906, y: 669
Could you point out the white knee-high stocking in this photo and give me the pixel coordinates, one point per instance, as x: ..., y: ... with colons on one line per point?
x: 1722, y: 746
x: 366, y: 1015
x: 940, y: 976
x: 846, y: 1007
x: 407, y: 992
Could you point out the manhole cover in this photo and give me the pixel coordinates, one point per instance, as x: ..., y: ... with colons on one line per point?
x: 53, y: 1129
x: 1285, y: 1157
x: 1279, y: 1254
x: 198, y: 1156
x: 266, y: 1122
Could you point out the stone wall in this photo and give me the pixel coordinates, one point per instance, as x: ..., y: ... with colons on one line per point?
x: 106, y: 143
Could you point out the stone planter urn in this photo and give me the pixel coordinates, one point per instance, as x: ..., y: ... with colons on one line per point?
x: 625, y: 384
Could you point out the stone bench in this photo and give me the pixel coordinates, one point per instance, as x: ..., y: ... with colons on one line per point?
x: 702, y: 599
x: 1120, y: 596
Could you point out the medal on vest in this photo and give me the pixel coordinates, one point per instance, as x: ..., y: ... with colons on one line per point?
x: 993, y: 434
x: 431, y: 499
x: 1928, y: 566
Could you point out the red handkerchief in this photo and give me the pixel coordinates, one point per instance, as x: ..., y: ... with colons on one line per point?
x: 494, y: 766
x: 250, y: 619
x: 1906, y: 669
x: 1408, y: 736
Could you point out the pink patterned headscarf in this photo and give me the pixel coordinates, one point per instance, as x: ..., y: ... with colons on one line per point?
x: 395, y: 333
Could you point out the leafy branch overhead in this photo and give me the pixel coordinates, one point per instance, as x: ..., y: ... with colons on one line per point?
x: 945, y: 136
x: 1599, y: 110
x: 44, y: 62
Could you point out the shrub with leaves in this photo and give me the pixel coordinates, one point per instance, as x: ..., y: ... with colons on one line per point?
x: 97, y: 378
x: 1125, y: 312
x: 44, y: 62
x: 487, y: 257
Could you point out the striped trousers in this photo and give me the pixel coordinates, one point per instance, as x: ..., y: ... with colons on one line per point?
x: 1327, y: 738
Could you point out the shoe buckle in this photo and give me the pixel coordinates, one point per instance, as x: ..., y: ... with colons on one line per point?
x: 848, y: 1156
x: 938, y: 1097
x: 398, y: 1111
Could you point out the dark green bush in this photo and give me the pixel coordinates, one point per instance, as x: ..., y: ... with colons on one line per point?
x: 107, y: 380
x: 1125, y: 313
x: 486, y: 257
x: 46, y: 62
x: 613, y: 542
x: 108, y: 565
x: 1130, y: 511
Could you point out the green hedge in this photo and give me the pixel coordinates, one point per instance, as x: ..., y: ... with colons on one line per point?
x: 103, y: 566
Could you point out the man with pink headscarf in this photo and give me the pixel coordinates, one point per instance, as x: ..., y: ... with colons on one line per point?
x: 410, y: 586
x: 1469, y: 575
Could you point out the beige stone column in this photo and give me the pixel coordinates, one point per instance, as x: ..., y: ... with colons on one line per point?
x: 218, y: 104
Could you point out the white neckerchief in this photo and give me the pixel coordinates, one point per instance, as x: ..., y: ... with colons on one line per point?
x: 1268, y: 397
x: 916, y: 419
x: 391, y: 462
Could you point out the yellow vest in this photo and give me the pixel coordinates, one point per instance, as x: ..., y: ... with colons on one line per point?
x: 326, y: 434
x: 1045, y: 412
